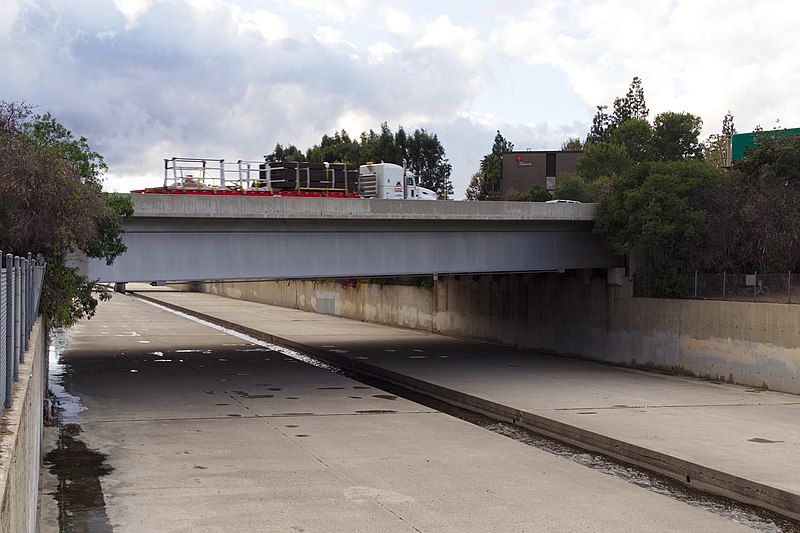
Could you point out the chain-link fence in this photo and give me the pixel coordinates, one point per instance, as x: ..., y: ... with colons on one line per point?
x: 20, y: 288
x: 755, y: 287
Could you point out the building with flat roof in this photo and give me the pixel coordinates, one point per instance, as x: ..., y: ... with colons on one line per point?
x: 524, y: 169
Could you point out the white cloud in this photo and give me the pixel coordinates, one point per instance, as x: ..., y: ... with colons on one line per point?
x: 398, y: 22
x: 381, y: 52
x: 132, y: 10
x: 459, y: 42
x: 10, y: 11
x: 337, y: 11
x: 270, y: 26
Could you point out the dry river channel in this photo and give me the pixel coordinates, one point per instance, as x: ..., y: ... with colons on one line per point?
x: 165, y: 423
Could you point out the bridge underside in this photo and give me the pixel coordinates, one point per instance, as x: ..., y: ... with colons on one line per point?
x: 188, y: 249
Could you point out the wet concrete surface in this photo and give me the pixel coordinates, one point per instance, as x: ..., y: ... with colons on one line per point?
x: 184, y: 428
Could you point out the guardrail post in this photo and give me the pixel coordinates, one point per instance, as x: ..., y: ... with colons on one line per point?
x: 17, y: 317
x: 9, y: 355
x: 755, y: 285
x: 789, y: 288
x: 724, y: 280
x: 29, y: 304
x: 23, y: 309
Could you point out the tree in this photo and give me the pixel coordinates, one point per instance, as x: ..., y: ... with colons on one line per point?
x: 727, y: 125
x: 575, y: 187
x: 537, y: 193
x: 675, y: 136
x: 572, y: 187
x: 473, y: 191
x: 602, y: 159
x: 632, y: 106
x: 427, y: 161
x: 756, y: 223
x: 572, y: 144
x: 717, y: 148
x: 337, y: 149
x: 485, y: 184
x: 51, y: 204
x: 657, y: 211
x: 290, y: 153
x: 636, y: 135
x: 601, y: 127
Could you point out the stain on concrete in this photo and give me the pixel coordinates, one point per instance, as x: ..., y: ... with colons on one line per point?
x: 385, y: 396
x: 245, y: 394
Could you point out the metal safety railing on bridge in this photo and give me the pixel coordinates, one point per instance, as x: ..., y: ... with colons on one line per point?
x: 20, y: 290
x: 219, y: 176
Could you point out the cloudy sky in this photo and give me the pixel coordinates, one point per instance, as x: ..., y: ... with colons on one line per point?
x: 145, y: 80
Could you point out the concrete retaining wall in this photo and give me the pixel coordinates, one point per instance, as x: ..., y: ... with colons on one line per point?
x: 20, y: 440
x: 578, y: 314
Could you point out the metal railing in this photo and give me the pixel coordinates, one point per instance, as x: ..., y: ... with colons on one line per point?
x: 753, y: 287
x: 20, y: 289
x: 198, y: 173
x: 219, y: 175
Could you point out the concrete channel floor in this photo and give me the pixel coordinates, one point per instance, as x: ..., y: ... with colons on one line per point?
x: 748, y: 433
x: 202, y: 431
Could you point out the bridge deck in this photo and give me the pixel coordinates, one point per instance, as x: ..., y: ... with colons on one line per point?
x: 183, y: 237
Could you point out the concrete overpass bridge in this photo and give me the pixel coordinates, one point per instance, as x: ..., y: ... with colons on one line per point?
x: 190, y: 238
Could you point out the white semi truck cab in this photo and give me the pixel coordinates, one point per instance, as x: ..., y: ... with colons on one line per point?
x: 390, y: 182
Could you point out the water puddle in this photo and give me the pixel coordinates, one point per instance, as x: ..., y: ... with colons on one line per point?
x: 76, y: 467
x: 78, y: 493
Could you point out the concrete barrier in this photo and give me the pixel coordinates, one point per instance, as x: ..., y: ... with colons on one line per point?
x: 20, y: 440
x: 576, y: 314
